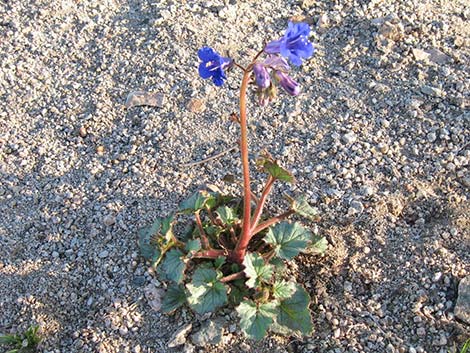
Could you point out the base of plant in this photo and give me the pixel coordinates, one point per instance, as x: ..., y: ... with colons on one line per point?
x: 197, y: 265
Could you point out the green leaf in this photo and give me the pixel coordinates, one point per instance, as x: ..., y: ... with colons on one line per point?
x: 213, y: 230
x: 206, y: 292
x: 318, y: 246
x: 196, y: 202
x: 288, y: 239
x: 193, y: 245
x: 173, y: 266
x: 156, y: 239
x: 238, y: 291
x: 279, y: 266
x: 147, y: 244
x: 227, y: 215
x: 294, y: 314
x: 219, y: 262
x: 256, y: 319
x: 283, y: 289
x: 175, y: 296
x: 269, y: 165
x: 10, y: 339
x: 277, y: 172
x: 257, y: 270
x: 302, y: 207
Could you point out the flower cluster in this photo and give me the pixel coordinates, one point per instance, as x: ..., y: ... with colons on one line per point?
x: 294, y: 46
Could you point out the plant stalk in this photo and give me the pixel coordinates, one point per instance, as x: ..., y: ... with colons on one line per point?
x: 271, y: 221
x: 209, y: 254
x: 261, y: 202
x: 242, y: 244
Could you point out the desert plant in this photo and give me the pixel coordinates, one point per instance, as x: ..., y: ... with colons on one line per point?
x: 466, y: 347
x: 230, y: 254
x: 22, y: 343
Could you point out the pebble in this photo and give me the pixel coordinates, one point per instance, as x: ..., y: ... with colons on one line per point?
x: 432, y: 137
x: 109, y: 220
x: 67, y: 69
x: 83, y: 131
x: 349, y: 138
x: 179, y: 337
x: 141, y: 98
x: 103, y: 254
x: 357, y: 206
x: 437, y: 277
x: 421, y: 331
x: 462, y: 305
x: 432, y: 91
x: 323, y: 23
x: 196, y: 105
x: 210, y: 333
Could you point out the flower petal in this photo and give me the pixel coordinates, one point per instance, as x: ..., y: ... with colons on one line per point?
x: 295, y: 60
x: 298, y: 29
x: 207, y: 54
x: 204, y: 71
x: 218, y: 80
x: 277, y: 63
x: 273, y: 47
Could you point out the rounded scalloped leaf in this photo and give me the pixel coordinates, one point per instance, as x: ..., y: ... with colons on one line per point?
x: 175, y: 296
x: 207, y: 293
x: 288, y: 239
x: 255, y: 320
x: 303, y: 208
x: 257, y: 270
x: 294, y: 314
x: 197, y: 202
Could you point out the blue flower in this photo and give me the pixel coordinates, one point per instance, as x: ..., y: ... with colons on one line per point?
x: 295, y: 45
x: 213, y: 65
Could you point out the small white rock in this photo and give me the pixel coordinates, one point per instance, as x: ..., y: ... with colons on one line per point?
x: 349, y: 138
x: 109, y: 220
x: 436, y: 277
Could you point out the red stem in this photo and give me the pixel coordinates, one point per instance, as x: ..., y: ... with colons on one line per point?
x: 240, y: 249
x: 204, y: 240
x: 272, y: 221
x: 261, y: 202
x: 233, y: 277
x: 209, y: 254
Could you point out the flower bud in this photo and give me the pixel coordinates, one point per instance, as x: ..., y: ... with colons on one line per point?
x: 261, y: 76
x: 286, y: 82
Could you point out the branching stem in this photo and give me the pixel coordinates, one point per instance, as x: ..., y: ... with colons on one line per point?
x: 204, y: 240
x: 209, y: 254
x: 272, y: 221
x: 261, y: 202
x: 233, y: 277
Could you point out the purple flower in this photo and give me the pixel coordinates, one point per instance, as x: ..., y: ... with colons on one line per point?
x: 294, y: 45
x: 286, y: 82
x: 213, y: 65
x: 261, y: 76
x: 277, y: 63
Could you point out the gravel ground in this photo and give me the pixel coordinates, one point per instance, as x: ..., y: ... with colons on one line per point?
x: 379, y: 140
